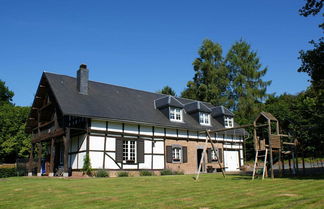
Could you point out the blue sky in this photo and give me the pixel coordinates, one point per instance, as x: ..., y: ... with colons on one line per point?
x: 146, y: 44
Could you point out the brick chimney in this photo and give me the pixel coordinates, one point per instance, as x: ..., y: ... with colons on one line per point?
x: 82, y: 79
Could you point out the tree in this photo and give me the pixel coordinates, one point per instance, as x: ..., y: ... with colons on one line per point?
x: 247, y: 89
x: 312, y: 7
x: 210, y: 82
x: 5, y: 94
x: 167, y: 90
x: 14, y: 142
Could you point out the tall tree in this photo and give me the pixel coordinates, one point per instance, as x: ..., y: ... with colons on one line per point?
x: 248, y: 90
x: 167, y: 90
x: 5, y: 94
x: 210, y: 82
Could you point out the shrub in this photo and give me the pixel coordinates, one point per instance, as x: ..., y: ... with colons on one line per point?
x: 102, y: 173
x: 146, y: 173
x: 170, y: 172
x: 122, y: 174
x: 166, y: 172
x: 87, y: 165
x: 7, y: 172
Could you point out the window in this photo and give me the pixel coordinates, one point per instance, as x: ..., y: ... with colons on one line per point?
x: 228, y: 122
x: 204, y: 118
x: 129, y: 151
x: 176, y: 154
x: 213, y: 155
x: 175, y: 114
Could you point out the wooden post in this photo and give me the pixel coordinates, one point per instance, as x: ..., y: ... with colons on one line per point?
x: 51, y: 171
x: 283, y: 164
x: 220, y: 165
x: 201, y: 159
x: 31, y: 160
x: 66, y: 141
x: 270, y: 149
x: 39, y: 163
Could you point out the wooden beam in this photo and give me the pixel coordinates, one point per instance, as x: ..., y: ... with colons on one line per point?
x: 31, y: 160
x: 43, y: 137
x: 234, y: 128
x: 66, y: 141
x: 39, y: 162
x: 52, y: 157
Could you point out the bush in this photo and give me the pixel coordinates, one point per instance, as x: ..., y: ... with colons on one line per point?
x: 146, y: 173
x: 122, y: 174
x: 170, y: 172
x: 87, y: 165
x: 7, y: 172
x: 102, y: 173
x: 166, y: 172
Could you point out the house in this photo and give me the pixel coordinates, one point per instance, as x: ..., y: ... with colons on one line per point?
x: 125, y: 129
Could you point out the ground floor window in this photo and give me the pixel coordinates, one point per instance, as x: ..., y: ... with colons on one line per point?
x: 213, y: 155
x: 176, y: 154
x: 129, y: 151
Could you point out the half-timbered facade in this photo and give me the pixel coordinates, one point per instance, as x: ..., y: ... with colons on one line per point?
x: 124, y: 129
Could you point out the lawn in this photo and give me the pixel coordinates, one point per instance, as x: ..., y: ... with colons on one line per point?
x: 211, y: 191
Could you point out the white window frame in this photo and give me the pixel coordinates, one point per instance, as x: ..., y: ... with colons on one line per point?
x: 175, y: 114
x: 176, y: 154
x: 129, y: 151
x: 213, y: 155
x: 228, y: 122
x: 204, y: 118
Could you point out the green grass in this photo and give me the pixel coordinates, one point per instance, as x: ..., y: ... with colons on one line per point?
x: 211, y: 191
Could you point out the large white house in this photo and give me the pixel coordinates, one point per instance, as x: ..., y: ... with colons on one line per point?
x: 125, y: 129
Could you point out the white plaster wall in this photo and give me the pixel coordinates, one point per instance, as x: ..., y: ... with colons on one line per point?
x: 129, y: 166
x: 171, y: 132
x: 146, y: 130
x: 182, y: 134
x: 74, y: 161
x: 83, y: 142
x: 158, y: 162
x: 147, y: 146
x: 109, y: 163
x: 158, y: 131
x: 74, y: 144
x: 202, y: 136
x: 115, y: 127
x: 132, y: 129
x: 241, y: 156
x: 110, y: 144
x: 81, y: 158
x: 96, y: 142
x: 96, y: 159
x: 158, y: 147
x: 98, y: 125
x: 147, y: 162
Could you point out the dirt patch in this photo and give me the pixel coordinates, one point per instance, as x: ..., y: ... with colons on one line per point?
x: 287, y: 195
x: 18, y: 189
x: 185, y: 199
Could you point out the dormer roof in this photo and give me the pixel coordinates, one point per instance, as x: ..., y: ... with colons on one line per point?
x: 221, y: 111
x: 168, y: 101
x: 197, y: 106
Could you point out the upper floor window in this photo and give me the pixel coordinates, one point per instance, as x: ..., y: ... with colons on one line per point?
x: 228, y: 122
x: 204, y: 118
x: 175, y: 114
x: 129, y: 151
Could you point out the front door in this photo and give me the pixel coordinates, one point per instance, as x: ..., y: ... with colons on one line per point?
x: 231, y: 159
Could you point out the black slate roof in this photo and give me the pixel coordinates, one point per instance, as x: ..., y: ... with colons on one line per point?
x: 111, y: 102
x: 197, y: 106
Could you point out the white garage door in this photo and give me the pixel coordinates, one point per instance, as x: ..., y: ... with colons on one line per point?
x: 231, y: 159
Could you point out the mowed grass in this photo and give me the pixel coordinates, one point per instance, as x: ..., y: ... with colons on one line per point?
x: 211, y: 191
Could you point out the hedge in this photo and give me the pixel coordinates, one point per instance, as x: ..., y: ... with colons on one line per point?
x: 7, y: 172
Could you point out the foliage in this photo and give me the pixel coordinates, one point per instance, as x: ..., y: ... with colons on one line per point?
x: 122, y: 174
x: 8, y: 172
x: 14, y: 142
x: 312, y: 7
x: 5, y: 94
x: 87, y: 165
x: 167, y: 90
x: 210, y: 81
x: 102, y: 173
x: 170, y: 172
x: 248, y: 90
x: 146, y: 173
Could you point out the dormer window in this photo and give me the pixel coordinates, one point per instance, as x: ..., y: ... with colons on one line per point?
x: 204, y: 118
x: 175, y: 114
x: 228, y: 122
